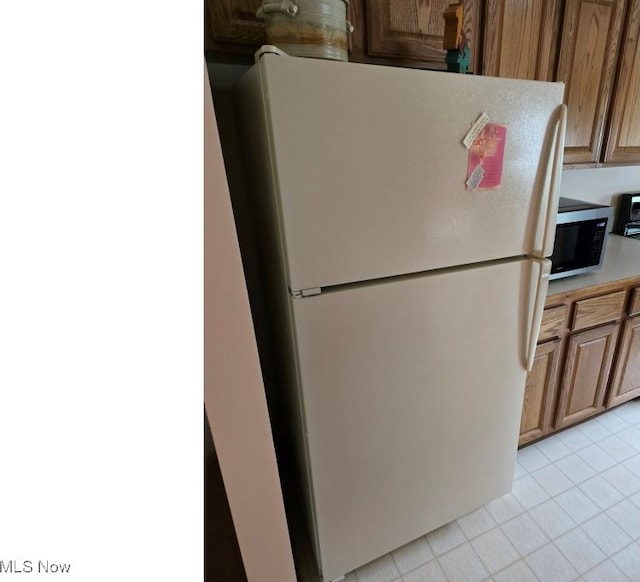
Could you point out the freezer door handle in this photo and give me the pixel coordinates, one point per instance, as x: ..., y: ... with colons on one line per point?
x: 552, y: 184
x: 539, y: 285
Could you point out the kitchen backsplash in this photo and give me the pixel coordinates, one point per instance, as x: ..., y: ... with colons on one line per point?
x: 600, y: 185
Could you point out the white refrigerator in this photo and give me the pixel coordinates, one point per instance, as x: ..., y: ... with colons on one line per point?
x: 405, y: 305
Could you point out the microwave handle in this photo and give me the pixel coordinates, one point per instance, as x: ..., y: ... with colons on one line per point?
x: 553, y: 175
x: 538, y: 291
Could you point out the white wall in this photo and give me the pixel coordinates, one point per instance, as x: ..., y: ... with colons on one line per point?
x: 234, y: 393
x: 600, y: 185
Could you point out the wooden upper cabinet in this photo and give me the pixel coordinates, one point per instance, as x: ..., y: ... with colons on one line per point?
x: 413, y: 30
x: 232, y: 25
x: 520, y: 38
x: 587, y: 64
x: 623, y: 143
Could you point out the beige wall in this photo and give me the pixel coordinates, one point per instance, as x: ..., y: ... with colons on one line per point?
x: 234, y: 392
x: 600, y: 185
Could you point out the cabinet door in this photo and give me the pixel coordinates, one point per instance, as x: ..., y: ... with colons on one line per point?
x: 413, y: 30
x: 587, y: 64
x: 520, y: 39
x: 625, y: 384
x: 623, y: 144
x: 539, y: 392
x: 586, y: 373
x: 235, y: 22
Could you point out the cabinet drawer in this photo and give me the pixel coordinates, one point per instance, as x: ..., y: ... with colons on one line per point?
x: 552, y: 322
x: 598, y: 310
x: 634, y: 306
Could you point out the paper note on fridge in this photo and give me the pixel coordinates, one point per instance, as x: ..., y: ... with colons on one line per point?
x: 487, y: 151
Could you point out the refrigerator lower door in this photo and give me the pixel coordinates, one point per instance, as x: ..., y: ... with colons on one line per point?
x: 412, y: 394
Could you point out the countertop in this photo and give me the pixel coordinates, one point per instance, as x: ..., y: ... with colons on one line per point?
x: 621, y: 261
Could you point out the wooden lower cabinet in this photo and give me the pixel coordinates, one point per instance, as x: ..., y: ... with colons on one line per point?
x: 586, y: 373
x: 587, y: 358
x: 540, y: 392
x: 625, y: 383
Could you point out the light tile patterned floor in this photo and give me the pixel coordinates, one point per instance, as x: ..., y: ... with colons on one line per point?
x: 573, y: 514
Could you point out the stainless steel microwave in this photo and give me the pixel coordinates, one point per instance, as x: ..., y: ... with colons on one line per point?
x: 582, y: 229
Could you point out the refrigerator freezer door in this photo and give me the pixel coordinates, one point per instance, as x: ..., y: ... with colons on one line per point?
x: 370, y: 168
x: 412, y: 391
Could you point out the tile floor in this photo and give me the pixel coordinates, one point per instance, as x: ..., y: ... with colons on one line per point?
x: 573, y: 514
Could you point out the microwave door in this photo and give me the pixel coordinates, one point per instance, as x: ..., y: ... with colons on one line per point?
x: 579, y: 246
x: 565, y: 247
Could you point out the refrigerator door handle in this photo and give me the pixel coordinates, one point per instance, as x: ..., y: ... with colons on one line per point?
x: 538, y: 290
x: 552, y: 179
